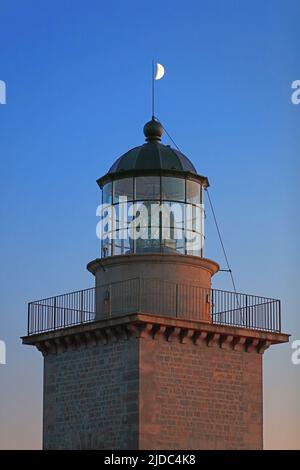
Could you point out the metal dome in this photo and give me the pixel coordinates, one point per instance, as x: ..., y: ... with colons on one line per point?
x: 153, y: 157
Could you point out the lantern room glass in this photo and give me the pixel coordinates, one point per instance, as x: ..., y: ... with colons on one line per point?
x: 165, y: 211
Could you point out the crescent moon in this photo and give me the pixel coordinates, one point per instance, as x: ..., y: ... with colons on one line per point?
x: 160, y: 71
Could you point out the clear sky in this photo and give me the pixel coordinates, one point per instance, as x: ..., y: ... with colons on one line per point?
x: 78, y: 93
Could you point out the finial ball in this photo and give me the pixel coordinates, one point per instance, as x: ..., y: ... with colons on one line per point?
x: 153, y: 130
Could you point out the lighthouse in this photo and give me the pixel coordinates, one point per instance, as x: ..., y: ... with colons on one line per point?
x: 152, y: 356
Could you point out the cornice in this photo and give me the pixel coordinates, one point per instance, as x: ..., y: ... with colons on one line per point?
x: 154, y: 327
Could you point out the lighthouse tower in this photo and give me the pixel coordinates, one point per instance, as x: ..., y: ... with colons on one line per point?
x: 152, y: 357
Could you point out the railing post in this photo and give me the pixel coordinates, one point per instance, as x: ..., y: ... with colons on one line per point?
x: 28, y: 319
x: 110, y: 301
x: 64, y: 315
x: 279, y: 315
x: 54, y: 310
x: 247, y: 310
x: 81, y: 307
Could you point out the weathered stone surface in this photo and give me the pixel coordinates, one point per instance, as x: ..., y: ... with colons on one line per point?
x: 91, y: 397
x: 150, y: 382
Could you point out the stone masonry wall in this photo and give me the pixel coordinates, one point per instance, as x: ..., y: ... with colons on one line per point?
x: 152, y: 384
x: 199, y: 397
x: 91, y: 397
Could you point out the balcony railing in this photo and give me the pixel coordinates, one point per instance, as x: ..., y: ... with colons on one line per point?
x: 158, y: 297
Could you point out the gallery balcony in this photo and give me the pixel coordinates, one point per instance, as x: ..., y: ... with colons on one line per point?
x: 153, y: 296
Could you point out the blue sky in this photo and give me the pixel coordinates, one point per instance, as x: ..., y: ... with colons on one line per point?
x: 78, y: 77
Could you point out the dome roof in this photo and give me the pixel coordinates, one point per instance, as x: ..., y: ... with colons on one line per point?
x: 150, y: 157
x: 153, y: 155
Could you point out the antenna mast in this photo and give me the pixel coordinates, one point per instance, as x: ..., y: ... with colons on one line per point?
x: 152, y: 89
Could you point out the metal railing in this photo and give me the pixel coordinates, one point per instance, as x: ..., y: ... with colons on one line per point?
x: 245, y: 310
x: 155, y: 296
x: 61, y: 311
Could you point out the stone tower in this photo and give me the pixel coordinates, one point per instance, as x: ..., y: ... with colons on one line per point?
x: 152, y: 357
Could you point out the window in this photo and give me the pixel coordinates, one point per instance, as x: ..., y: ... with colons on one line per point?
x: 173, y: 189
x: 147, y: 187
x: 194, y: 243
x: 122, y: 188
x: 107, y: 193
x: 123, y: 245
x: 193, y: 192
x: 194, y: 216
x: 172, y: 214
x: 123, y: 219
x: 171, y: 244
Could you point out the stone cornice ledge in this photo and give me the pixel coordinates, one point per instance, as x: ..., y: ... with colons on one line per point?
x: 153, y: 327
